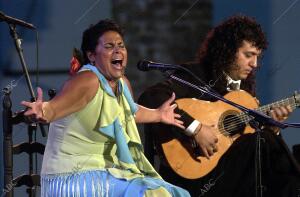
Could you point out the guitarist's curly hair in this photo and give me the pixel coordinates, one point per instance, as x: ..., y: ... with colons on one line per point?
x: 217, y: 53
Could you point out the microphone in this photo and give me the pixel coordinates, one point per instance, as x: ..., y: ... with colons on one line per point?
x: 12, y: 20
x: 144, y: 65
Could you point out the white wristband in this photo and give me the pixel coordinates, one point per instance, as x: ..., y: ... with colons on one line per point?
x: 192, y: 128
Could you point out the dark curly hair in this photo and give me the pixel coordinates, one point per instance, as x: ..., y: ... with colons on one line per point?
x: 91, y: 35
x: 218, y: 51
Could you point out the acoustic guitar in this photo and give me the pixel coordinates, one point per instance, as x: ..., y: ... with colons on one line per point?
x: 183, y: 155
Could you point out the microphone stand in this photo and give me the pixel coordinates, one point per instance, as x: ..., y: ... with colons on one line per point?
x: 257, y: 120
x: 32, y: 125
x: 18, y: 46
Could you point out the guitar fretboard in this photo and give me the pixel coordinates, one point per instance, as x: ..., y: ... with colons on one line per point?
x: 291, y: 101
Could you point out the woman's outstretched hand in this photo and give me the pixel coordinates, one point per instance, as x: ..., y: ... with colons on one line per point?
x: 167, y: 113
x: 35, y: 109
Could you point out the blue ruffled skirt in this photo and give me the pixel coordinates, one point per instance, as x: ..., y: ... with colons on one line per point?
x: 101, y: 183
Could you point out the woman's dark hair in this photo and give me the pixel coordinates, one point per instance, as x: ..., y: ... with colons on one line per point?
x: 91, y: 35
x: 218, y: 51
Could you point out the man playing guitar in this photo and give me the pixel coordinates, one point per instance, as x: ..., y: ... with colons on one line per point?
x: 227, y: 62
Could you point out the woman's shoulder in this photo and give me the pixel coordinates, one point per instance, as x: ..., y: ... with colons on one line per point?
x: 85, y: 77
x: 86, y: 82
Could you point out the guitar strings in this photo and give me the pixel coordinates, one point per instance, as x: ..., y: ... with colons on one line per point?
x: 244, y: 116
x: 240, y: 120
x: 230, y: 129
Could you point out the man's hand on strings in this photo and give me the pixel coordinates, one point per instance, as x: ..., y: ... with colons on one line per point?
x: 279, y: 114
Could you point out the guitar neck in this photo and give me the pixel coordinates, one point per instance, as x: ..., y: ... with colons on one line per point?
x: 288, y: 101
x: 291, y: 101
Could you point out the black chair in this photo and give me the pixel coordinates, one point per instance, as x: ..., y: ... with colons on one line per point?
x: 31, y: 147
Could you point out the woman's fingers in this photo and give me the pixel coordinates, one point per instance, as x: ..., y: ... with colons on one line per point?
x: 171, y: 100
x: 39, y: 95
x: 173, y: 106
x: 177, y: 116
x: 180, y: 126
x: 34, y: 108
x: 178, y: 123
x: 26, y: 104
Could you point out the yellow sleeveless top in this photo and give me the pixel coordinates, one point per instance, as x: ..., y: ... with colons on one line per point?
x: 79, y: 142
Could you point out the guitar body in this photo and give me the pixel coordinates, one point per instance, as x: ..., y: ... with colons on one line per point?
x: 181, y: 155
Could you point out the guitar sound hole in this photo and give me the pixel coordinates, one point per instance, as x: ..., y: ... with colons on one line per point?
x: 233, y: 125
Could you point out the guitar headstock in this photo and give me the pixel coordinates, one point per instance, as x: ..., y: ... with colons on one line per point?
x: 297, y: 98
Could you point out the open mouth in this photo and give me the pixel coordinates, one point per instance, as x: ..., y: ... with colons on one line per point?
x: 116, y: 62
